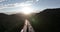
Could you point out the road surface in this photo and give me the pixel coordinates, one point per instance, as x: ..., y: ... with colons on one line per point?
x: 27, y: 27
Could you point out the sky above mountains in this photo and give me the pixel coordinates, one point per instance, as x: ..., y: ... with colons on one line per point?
x: 14, y: 6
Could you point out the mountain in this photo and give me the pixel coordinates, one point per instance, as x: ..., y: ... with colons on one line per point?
x: 11, y: 23
x: 46, y: 21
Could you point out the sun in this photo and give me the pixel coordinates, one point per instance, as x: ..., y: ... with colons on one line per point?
x: 27, y: 10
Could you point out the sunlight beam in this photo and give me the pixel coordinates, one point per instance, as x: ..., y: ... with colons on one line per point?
x: 27, y: 10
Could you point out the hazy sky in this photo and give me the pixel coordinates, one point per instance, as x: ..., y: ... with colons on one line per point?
x: 7, y: 6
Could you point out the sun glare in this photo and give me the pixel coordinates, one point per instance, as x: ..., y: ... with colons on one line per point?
x: 27, y: 10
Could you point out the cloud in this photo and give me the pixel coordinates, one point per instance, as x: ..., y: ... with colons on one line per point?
x: 26, y: 3
x: 14, y: 5
x: 37, y: 0
x: 33, y: 0
x: 2, y: 0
